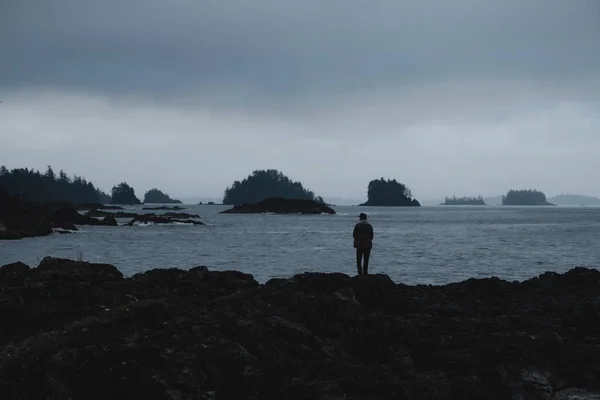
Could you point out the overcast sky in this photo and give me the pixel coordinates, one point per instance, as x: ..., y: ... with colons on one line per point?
x: 455, y: 97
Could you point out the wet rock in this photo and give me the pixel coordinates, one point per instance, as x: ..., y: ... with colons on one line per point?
x: 159, y: 219
x: 279, y: 205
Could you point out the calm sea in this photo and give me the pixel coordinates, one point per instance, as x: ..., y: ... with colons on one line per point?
x: 429, y: 245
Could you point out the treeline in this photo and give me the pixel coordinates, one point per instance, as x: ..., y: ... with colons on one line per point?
x: 48, y: 187
x: 262, y: 184
x: 527, y: 197
x: 464, y: 201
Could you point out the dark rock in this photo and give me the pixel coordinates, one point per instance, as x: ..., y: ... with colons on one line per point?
x: 164, y: 208
x: 79, y: 271
x: 159, y: 219
x: 79, y: 330
x: 178, y: 215
x: 279, y: 205
x: 14, y: 274
x: 109, y: 220
x: 20, y: 218
x: 101, y: 214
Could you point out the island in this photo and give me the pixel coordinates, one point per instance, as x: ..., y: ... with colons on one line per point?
x: 280, y: 205
x: 77, y: 330
x: 124, y: 194
x: 155, y: 196
x: 463, y: 201
x: 529, y: 197
x: 262, y: 184
x: 574, y: 200
x: 390, y: 193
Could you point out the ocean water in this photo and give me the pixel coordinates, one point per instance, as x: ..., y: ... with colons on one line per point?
x: 426, y: 245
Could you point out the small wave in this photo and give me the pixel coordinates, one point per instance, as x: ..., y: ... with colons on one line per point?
x: 143, y: 223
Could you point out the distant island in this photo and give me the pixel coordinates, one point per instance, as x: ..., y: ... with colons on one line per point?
x: 463, y: 201
x: 124, y: 194
x: 155, y: 196
x: 262, y: 184
x: 49, y: 187
x: 391, y: 193
x: 527, y: 197
x: 574, y: 200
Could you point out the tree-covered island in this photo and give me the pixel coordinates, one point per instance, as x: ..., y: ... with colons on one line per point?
x: 527, y: 197
x: 263, y: 184
x: 386, y: 192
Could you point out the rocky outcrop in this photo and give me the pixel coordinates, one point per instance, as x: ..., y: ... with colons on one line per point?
x: 164, y: 208
x: 121, y: 214
x: 78, y: 330
x: 162, y: 219
x: 20, y: 218
x: 109, y: 220
x: 101, y: 214
x: 279, y: 205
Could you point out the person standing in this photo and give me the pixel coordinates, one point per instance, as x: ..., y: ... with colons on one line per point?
x: 363, y: 243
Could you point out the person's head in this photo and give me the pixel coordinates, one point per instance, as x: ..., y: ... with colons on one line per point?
x: 362, y: 217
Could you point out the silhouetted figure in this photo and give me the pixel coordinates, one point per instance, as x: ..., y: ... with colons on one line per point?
x: 363, y: 242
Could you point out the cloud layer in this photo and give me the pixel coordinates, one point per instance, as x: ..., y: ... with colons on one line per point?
x: 463, y: 97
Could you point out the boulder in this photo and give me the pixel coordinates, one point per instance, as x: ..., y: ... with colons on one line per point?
x: 109, y: 220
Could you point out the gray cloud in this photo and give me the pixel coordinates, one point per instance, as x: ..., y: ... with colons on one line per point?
x: 457, y: 97
x: 275, y: 48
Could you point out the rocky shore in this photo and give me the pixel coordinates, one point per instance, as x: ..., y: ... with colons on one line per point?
x: 74, y: 330
x: 20, y: 218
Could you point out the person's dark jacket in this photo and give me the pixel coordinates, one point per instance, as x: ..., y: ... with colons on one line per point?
x: 363, y: 235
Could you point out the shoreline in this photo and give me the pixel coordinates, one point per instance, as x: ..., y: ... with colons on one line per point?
x: 81, y: 330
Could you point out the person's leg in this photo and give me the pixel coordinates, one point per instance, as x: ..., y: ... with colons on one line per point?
x: 358, y: 261
x: 367, y: 254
